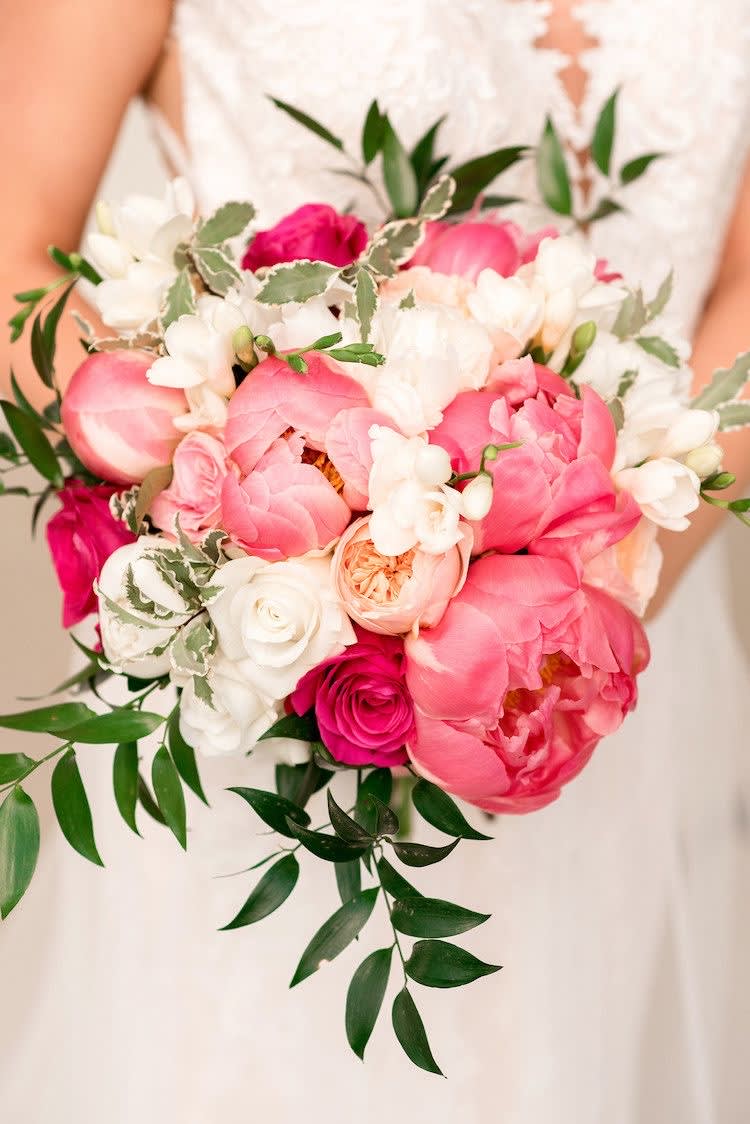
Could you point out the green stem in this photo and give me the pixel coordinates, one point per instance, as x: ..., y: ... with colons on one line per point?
x: 396, y: 941
x: 37, y: 764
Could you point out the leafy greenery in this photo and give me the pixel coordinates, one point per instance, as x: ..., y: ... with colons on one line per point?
x: 437, y: 807
x: 365, y: 998
x: 272, y: 891
x: 125, y: 782
x: 169, y: 795
x: 19, y: 847
x: 72, y: 808
x: 410, y: 1031
x: 552, y: 172
x: 337, y: 932
x: 441, y: 964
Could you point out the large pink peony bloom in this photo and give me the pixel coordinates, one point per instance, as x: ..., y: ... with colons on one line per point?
x: 119, y: 424
x: 524, y: 675
x: 200, y: 468
x: 81, y: 536
x: 314, y: 231
x: 362, y: 705
x: 466, y: 248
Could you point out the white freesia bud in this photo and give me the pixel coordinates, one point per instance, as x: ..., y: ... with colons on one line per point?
x: 688, y: 431
x: 665, y: 490
x: 477, y: 497
x: 103, y: 215
x: 433, y: 466
x: 705, y: 461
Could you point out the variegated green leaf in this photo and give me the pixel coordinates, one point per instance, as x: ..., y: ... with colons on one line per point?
x: 216, y: 268
x: 298, y: 282
x: 180, y: 299
x: 725, y: 384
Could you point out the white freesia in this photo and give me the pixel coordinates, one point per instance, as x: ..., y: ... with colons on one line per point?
x: 133, y: 249
x: 278, y: 620
x: 665, y: 490
x: 665, y: 429
x: 237, y: 718
x: 129, y: 635
x: 477, y: 497
x: 511, y: 310
x: 406, y: 511
x: 293, y: 326
x: 705, y: 461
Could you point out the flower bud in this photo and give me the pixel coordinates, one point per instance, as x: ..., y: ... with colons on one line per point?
x: 103, y: 214
x: 433, y: 466
x: 477, y: 496
x: 583, y: 337
x: 242, y: 342
x: 706, y: 460
x: 265, y: 343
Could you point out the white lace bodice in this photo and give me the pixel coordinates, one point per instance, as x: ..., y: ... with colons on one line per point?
x: 684, y: 68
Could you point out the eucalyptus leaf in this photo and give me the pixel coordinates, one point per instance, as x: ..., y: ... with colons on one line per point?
x: 365, y: 998
x: 272, y: 891
x: 635, y: 168
x: 419, y: 854
x: 441, y: 964
x: 276, y: 811
x: 725, y: 384
x: 72, y: 808
x: 183, y: 756
x: 19, y: 847
x: 14, y: 766
x: 398, y: 174
x: 297, y: 282
x: 604, y: 135
x: 216, y: 268
x: 734, y: 415
x: 121, y: 725
x: 348, y: 879
x: 169, y: 794
x: 410, y: 1031
x: 29, y: 435
x: 180, y: 299
x: 552, y: 172
x: 334, y: 936
x: 438, y: 809
x: 432, y: 917
x: 125, y: 782
x: 393, y: 883
x: 475, y: 175
x: 229, y: 221
x: 48, y: 719
x: 309, y: 123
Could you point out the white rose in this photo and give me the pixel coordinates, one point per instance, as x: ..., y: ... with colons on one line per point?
x: 238, y: 717
x: 279, y: 620
x: 665, y: 490
x: 130, y: 635
x: 510, y: 309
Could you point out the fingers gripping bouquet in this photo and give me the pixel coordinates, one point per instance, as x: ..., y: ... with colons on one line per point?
x: 389, y: 496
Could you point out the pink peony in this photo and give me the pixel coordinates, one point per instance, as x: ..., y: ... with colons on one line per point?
x: 394, y: 595
x: 361, y: 701
x: 119, y: 425
x: 466, y: 248
x: 200, y: 468
x: 315, y: 231
x: 81, y: 537
x: 349, y: 446
x: 524, y: 675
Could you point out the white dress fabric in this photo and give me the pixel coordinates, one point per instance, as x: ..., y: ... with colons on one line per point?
x: 614, y: 909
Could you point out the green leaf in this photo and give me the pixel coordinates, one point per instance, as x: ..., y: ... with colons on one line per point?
x: 419, y: 854
x: 490, y: 201
x: 422, y: 154
x: 309, y: 123
x: 118, y: 726
x: 603, y: 209
x: 328, y: 847
x: 604, y: 135
x: 72, y: 808
x: 8, y: 451
x: 344, y: 826
x: 472, y: 177
x: 440, y: 964
x: 386, y: 820
x: 229, y: 221
x: 292, y: 781
x: 40, y: 356
x: 662, y: 298
x: 297, y: 282
x: 156, y: 481
x: 410, y: 1031
x: 300, y: 727
x: 393, y: 245
x: 13, y: 766
x: 169, y: 794
x: 660, y: 349
x: 49, y: 329
x: 365, y: 998
x: 634, y: 169
x: 372, y: 133
x: 125, y: 782
x: 725, y: 384
x: 366, y: 300
x: 334, y: 936
x: 718, y: 482
x: 734, y: 415
x: 217, y: 269
x: 272, y: 891
x: 183, y: 756
x: 25, y: 406
x: 438, y: 809
x: 348, y: 879
x: 48, y: 719
x: 632, y: 316
x: 393, y: 883
x: 148, y: 803
x: 377, y: 783
x: 438, y: 200
x: 398, y: 174
x: 432, y: 917
x: 180, y: 299
x: 617, y: 410
x: 552, y: 173
x: 28, y: 433
x: 276, y: 811
x: 19, y: 847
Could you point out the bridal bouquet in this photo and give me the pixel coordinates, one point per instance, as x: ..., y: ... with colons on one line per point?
x: 379, y: 502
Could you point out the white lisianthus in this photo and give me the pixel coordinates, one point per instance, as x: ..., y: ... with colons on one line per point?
x: 235, y: 719
x: 278, y: 620
x: 665, y: 490
x: 133, y: 249
x: 135, y: 638
x: 409, y: 507
x: 510, y: 309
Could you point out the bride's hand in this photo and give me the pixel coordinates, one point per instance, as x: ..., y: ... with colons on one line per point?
x: 67, y: 74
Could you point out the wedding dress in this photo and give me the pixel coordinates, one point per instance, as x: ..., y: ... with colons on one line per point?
x: 613, y: 908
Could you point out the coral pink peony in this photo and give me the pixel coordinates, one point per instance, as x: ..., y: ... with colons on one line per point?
x: 524, y: 675
x: 349, y: 446
x: 466, y: 248
x: 392, y: 595
x: 200, y: 468
x: 81, y: 536
x: 119, y: 425
x: 362, y: 705
x: 315, y: 231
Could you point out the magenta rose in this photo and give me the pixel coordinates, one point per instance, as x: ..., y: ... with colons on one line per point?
x: 81, y: 537
x: 315, y: 231
x: 362, y: 704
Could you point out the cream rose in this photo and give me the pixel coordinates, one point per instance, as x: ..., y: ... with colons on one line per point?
x: 236, y: 720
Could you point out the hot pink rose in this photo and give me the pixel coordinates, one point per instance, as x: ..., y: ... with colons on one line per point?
x: 524, y: 675
x: 466, y: 248
x: 361, y: 701
x: 314, y: 231
x: 81, y: 537
x: 200, y: 467
x: 120, y: 425
x: 393, y: 595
